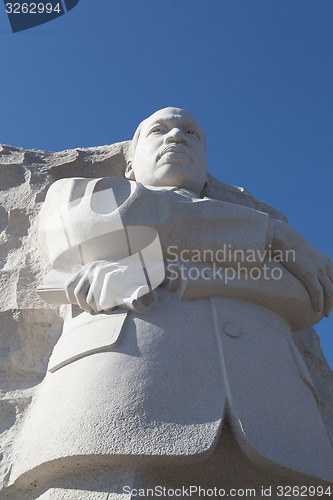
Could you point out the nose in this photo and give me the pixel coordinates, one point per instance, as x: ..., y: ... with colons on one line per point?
x: 176, y: 135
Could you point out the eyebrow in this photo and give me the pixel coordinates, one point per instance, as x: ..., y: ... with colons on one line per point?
x: 183, y: 122
x: 187, y: 123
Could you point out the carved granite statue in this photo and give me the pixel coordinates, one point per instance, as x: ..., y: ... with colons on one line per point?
x: 166, y: 338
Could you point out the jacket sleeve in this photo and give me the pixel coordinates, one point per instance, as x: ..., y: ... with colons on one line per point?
x: 196, y: 224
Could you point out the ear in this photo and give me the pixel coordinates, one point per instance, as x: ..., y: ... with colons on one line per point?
x: 129, y: 172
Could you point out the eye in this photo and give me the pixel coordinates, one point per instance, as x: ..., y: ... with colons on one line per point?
x: 192, y: 132
x: 158, y: 129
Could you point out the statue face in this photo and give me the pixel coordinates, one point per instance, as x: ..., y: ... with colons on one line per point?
x: 171, y: 151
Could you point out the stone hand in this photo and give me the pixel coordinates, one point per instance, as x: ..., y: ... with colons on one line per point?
x: 102, y: 285
x: 310, y: 266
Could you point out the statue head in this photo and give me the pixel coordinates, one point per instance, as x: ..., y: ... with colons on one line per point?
x: 169, y: 149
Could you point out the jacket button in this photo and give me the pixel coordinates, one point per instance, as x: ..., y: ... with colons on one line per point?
x: 232, y: 329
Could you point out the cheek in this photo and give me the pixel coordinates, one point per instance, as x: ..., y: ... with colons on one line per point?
x: 201, y: 159
x: 143, y: 166
x: 141, y: 156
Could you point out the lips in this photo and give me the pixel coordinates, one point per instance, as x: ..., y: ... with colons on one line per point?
x: 172, y: 148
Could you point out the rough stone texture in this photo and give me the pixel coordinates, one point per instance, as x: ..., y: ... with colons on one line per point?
x: 29, y: 326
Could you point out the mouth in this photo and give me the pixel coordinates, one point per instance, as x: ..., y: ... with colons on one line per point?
x: 173, y: 148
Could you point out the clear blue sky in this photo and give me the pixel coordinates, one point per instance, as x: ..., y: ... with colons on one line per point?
x: 256, y: 73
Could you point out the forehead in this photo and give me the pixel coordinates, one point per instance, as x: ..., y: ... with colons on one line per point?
x: 171, y: 116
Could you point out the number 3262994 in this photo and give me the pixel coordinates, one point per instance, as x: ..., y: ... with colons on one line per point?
x: 32, y: 8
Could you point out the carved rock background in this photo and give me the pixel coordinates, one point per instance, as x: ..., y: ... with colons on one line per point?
x: 29, y: 327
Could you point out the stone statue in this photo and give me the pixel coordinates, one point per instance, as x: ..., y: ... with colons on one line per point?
x: 179, y: 319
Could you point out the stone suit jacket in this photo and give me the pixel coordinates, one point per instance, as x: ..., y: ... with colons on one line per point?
x: 131, y: 388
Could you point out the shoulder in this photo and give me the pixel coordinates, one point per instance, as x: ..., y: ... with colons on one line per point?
x: 74, y: 189
x: 77, y: 185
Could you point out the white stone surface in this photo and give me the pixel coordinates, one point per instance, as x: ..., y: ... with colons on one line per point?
x: 77, y: 418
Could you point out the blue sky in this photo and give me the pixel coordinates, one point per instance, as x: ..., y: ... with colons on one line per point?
x: 256, y: 73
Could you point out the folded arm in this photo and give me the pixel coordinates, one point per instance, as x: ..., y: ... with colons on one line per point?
x: 97, y: 207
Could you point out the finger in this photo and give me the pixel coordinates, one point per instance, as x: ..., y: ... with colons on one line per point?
x: 329, y: 271
x: 117, y: 282
x: 94, y: 293
x: 316, y: 292
x: 81, y: 291
x: 110, y: 290
x: 328, y: 294
x: 109, y: 293
x: 70, y: 286
x: 311, y: 283
x: 92, y: 302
